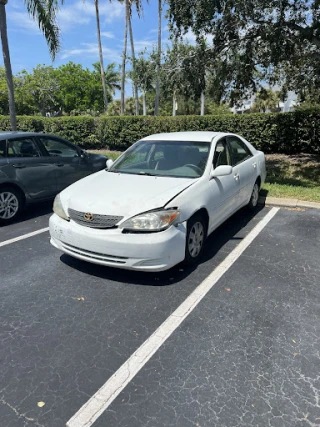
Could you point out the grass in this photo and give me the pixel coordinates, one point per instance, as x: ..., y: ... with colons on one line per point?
x: 294, y: 177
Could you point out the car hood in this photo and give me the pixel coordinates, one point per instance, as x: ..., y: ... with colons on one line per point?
x: 108, y: 193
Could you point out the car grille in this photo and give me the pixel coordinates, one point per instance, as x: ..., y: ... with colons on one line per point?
x: 98, y: 221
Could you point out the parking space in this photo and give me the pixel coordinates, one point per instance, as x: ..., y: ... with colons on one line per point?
x: 34, y: 218
x: 249, y: 352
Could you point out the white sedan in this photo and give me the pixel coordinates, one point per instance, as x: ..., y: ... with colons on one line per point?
x: 156, y: 205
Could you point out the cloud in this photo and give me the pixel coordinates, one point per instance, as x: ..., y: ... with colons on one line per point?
x: 80, y: 12
x: 21, y: 20
x: 90, y: 50
x: 107, y: 34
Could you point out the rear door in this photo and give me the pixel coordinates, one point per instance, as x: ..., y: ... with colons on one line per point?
x: 27, y: 166
x: 67, y: 160
x: 244, y: 164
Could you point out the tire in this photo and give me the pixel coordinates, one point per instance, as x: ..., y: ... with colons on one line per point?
x: 195, y: 239
x: 254, y: 196
x: 11, y: 204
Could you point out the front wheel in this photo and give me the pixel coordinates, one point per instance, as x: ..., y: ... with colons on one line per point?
x: 196, y: 236
x: 10, y: 204
x: 254, y: 196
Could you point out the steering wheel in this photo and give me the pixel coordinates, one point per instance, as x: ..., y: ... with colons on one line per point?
x: 194, y: 167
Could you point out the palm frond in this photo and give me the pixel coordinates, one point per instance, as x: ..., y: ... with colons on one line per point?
x: 44, y: 13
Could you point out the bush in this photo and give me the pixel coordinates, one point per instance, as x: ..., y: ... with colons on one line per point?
x: 288, y: 133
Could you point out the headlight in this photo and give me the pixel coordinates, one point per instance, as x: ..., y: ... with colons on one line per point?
x: 58, y: 208
x: 152, y: 221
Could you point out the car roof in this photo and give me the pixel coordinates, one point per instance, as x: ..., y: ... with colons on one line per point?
x: 11, y: 134
x: 201, y: 136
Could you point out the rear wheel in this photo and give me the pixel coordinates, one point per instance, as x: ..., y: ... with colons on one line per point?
x: 196, y: 236
x: 254, y: 196
x: 11, y: 203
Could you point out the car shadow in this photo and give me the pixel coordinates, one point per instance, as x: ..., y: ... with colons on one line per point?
x: 226, y: 232
x: 32, y: 212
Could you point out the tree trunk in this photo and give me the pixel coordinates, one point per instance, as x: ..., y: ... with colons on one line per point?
x: 124, y: 58
x: 156, y: 108
x: 7, y: 64
x: 103, y: 77
x: 174, y: 111
x: 136, y: 96
x: 144, y: 103
x: 202, y: 103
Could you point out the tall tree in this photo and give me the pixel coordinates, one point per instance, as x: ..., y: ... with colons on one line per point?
x: 143, y: 76
x: 43, y: 86
x: 156, y: 108
x: 138, y: 5
x: 44, y: 12
x: 264, y: 34
x: 112, y: 78
x: 104, y: 89
x: 124, y: 55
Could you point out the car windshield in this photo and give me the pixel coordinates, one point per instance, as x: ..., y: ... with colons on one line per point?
x: 179, y: 159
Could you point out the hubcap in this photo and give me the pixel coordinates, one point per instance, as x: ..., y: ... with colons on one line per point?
x: 255, y: 195
x: 9, y: 205
x: 195, y: 240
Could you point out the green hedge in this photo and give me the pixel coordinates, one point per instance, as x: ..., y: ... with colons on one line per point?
x: 288, y: 133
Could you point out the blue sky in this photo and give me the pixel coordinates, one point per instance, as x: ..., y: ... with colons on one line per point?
x: 78, y: 33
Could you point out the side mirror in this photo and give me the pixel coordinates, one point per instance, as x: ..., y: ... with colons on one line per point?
x: 223, y: 170
x: 83, y: 154
x: 109, y: 163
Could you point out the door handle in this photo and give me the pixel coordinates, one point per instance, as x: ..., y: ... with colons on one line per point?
x: 19, y: 166
x: 59, y: 165
x: 254, y: 164
x: 236, y: 177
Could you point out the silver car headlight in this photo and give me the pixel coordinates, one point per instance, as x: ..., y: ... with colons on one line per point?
x: 58, y: 208
x: 152, y: 221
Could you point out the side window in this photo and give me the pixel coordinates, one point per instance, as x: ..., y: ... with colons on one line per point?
x: 56, y: 147
x: 221, y: 154
x: 239, y: 151
x: 24, y: 147
x: 2, y: 148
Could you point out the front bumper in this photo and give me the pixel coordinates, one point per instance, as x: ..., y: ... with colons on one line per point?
x: 112, y: 248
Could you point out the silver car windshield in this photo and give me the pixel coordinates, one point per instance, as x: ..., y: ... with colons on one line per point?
x: 179, y: 159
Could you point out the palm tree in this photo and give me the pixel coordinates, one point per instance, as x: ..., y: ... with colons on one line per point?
x: 124, y: 56
x: 105, y: 98
x: 128, y: 26
x: 156, y: 108
x: 135, y: 88
x: 45, y: 14
x: 111, y: 77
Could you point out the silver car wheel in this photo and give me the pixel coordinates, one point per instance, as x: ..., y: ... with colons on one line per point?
x: 195, y: 239
x: 255, y: 195
x: 9, y: 205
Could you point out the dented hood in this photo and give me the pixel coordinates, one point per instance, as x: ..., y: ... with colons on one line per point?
x: 126, y: 195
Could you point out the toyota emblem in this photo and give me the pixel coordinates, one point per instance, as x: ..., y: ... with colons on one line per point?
x: 88, y: 216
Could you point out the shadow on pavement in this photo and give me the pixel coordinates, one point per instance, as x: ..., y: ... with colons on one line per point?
x: 225, y: 233
x: 32, y: 212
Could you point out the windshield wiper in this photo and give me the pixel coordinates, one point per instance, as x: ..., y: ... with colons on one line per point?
x: 146, y: 173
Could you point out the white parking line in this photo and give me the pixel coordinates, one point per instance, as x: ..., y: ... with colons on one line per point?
x: 100, y: 401
x: 24, y: 236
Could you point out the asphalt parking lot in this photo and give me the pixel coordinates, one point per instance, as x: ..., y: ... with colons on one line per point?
x: 248, y: 354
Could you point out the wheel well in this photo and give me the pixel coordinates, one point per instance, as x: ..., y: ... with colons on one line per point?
x: 204, y: 213
x: 17, y: 188
x: 258, y: 180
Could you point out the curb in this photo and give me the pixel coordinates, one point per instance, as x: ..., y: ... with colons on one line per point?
x: 291, y: 203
